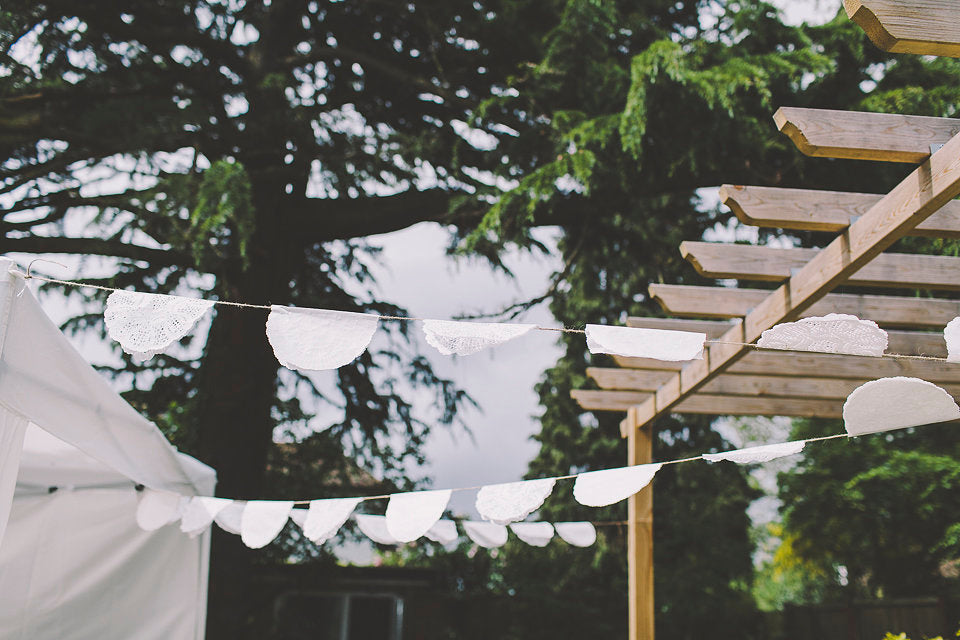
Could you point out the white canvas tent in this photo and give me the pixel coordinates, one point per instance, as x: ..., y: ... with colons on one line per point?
x: 74, y: 565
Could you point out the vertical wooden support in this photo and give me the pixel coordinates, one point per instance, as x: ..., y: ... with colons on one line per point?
x: 640, y: 540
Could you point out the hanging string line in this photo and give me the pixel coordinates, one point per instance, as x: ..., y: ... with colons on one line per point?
x: 246, y: 305
x: 571, y: 476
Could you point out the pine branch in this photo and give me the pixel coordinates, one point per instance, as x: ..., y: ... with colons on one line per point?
x: 99, y: 247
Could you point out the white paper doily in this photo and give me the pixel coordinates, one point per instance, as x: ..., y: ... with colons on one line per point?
x: 600, y: 488
x: 645, y: 343
x: 145, y: 324
x: 896, y: 403
x: 832, y: 333
x: 753, y: 455
x: 325, y: 517
x: 318, y: 339
x: 465, y: 338
x: 505, y: 503
x: 263, y: 520
x: 536, y: 534
x: 410, y: 515
x: 578, y: 534
x: 229, y: 518
x: 200, y: 512
x: 443, y: 532
x: 486, y: 534
x: 951, y: 335
x: 156, y: 509
x: 375, y: 528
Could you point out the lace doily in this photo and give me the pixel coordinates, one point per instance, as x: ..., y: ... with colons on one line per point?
x: 410, y: 515
x: 229, y: 518
x: 486, y: 534
x: 645, y: 343
x: 535, y: 534
x: 832, y: 333
x: 158, y: 508
x: 752, y: 455
x: 578, y: 534
x: 325, y: 517
x: 145, y: 324
x: 505, y: 503
x: 465, y: 338
x: 200, y: 512
x: 263, y: 520
x: 444, y: 532
x: 896, y: 403
x: 375, y: 528
x: 299, y: 516
x: 318, y: 339
x: 600, y: 488
x: 951, y: 335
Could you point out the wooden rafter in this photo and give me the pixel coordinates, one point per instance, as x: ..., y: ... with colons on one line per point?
x: 860, y: 135
x: 710, y: 404
x: 920, y: 343
x: 728, y: 302
x: 772, y: 264
x: 831, y: 211
x: 919, y: 195
x: 925, y: 27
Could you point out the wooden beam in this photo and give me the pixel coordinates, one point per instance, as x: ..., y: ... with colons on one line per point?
x: 771, y: 264
x: 608, y: 400
x: 729, y: 302
x: 861, y: 135
x: 640, y: 542
x: 831, y: 211
x: 818, y: 365
x: 710, y: 404
x: 913, y: 343
x: 923, y: 27
x: 739, y: 384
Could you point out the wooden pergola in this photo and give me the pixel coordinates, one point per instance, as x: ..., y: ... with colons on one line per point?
x: 734, y: 378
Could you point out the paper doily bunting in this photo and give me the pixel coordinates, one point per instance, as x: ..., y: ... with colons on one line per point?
x: 465, y: 338
x: 375, y: 528
x: 600, y: 488
x: 578, y: 534
x: 318, y: 339
x: 486, y: 534
x: 536, y: 534
x: 896, y: 403
x: 951, y: 335
x: 200, y: 512
x: 752, y: 455
x: 645, y: 343
x: 443, y: 532
x: 229, y: 518
x: 410, y: 515
x: 145, y: 324
x: 832, y: 333
x: 263, y: 520
x: 505, y: 503
x: 325, y: 517
x: 156, y: 509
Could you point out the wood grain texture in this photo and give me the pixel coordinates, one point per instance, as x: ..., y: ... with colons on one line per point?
x: 741, y: 384
x: 771, y: 264
x: 923, y: 27
x: 710, y: 404
x: 640, y: 542
x: 728, y: 302
x: 817, y: 365
x: 861, y: 135
x: 830, y: 211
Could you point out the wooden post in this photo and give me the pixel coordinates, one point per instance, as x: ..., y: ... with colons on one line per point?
x: 640, y: 540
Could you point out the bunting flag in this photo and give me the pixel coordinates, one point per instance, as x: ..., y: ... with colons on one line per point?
x: 375, y: 528
x: 229, y: 518
x: 466, y: 338
x: 578, y: 534
x: 263, y: 520
x: 832, y: 333
x: 951, y: 335
x: 145, y: 324
x: 157, y: 509
x: 318, y: 339
x: 535, y: 534
x: 411, y: 515
x: 602, y: 488
x: 325, y: 517
x: 443, y: 532
x: 514, y: 501
x: 896, y: 403
x: 489, y: 535
x: 645, y: 343
x: 199, y: 513
x: 754, y: 455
